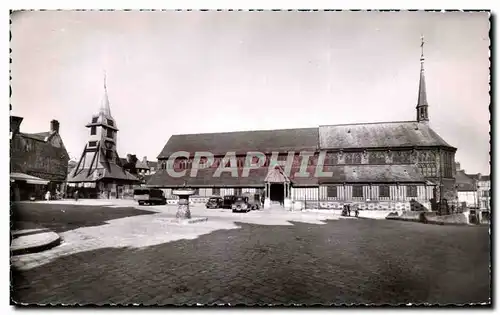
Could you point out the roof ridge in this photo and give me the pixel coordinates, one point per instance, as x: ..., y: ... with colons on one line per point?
x: 372, y: 123
x: 240, y: 131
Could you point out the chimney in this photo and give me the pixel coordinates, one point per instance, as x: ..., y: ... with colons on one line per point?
x: 54, y: 126
x: 145, y: 159
x: 15, y: 124
x: 457, y: 166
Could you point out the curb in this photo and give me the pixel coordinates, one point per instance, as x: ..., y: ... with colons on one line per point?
x: 430, y: 222
x: 37, y: 246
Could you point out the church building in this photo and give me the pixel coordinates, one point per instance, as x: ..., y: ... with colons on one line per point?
x: 377, y: 165
x: 99, y: 172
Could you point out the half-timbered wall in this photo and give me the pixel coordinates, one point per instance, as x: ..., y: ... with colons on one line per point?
x: 306, y: 193
x: 372, y: 193
x: 47, y: 160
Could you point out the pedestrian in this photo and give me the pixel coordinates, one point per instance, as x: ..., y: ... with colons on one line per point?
x: 47, y: 195
x: 356, y: 212
x: 349, y: 210
x: 75, y: 194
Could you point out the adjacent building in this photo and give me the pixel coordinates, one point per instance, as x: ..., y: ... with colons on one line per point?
x: 467, y: 189
x: 484, y: 192
x: 473, y: 190
x: 38, y: 161
x: 99, y: 172
x: 381, y: 165
x: 143, y: 167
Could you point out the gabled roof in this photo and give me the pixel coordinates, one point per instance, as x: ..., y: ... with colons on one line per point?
x: 44, y: 140
x: 40, y: 136
x: 110, y: 171
x: 465, y: 182
x: 379, y: 135
x: 141, y: 165
x: 276, y: 175
x: 241, y: 142
x: 101, y: 168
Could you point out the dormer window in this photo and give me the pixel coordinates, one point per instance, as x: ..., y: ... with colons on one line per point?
x: 109, y: 133
x: 92, y: 144
x: 94, y: 119
x: 93, y: 130
x: 110, y: 122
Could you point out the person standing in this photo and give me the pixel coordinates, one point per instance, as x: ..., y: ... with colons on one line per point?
x: 75, y: 194
x: 47, y: 195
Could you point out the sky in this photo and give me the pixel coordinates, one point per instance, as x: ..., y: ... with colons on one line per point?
x: 193, y: 72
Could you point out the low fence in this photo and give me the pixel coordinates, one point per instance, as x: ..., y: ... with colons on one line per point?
x: 413, y: 216
x: 431, y: 217
x: 450, y: 219
x: 193, y: 200
x: 363, y: 205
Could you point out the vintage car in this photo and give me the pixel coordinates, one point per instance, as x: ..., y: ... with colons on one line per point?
x: 214, y: 203
x: 228, y: 201
x: 254, y: 200
x: 241, y: 204
x: 149, y: 196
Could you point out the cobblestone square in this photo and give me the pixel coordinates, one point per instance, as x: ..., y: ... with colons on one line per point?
x: 233, y: 261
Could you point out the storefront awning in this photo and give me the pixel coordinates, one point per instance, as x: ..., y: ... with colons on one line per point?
x: 28, y: 179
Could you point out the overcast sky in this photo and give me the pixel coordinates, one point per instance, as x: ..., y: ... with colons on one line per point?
x: 192, y: 72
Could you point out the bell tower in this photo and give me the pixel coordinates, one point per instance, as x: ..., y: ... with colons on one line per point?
x: 422, y: 106
x: 102, y: 130
x: 100, y: 149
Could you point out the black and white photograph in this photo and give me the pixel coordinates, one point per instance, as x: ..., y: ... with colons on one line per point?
x: 250, y: 158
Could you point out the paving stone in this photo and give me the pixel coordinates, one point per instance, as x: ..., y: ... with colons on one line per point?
x: 367, y: 262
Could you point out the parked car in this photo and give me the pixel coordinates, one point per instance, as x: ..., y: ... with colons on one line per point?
x: 228, y: 202
x: 241, y: 204
x: 254, y: 201
x: 214, y: 203
x: 150, y: 196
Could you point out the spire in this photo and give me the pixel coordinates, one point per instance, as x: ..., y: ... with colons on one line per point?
x: 105, y: 100
x: 422, y: 114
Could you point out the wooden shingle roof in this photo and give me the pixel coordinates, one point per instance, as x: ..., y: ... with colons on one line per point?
x: 206, y: 178
x: 40, y: 136
x: 379, y: 135
x: 241, y: 142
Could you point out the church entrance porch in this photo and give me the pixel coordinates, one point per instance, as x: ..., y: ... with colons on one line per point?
x: 277, y: 189
x: 277, y: 193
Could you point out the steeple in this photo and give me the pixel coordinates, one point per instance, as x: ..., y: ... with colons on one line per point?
x: 104, y: 109
x: 422, y: 113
